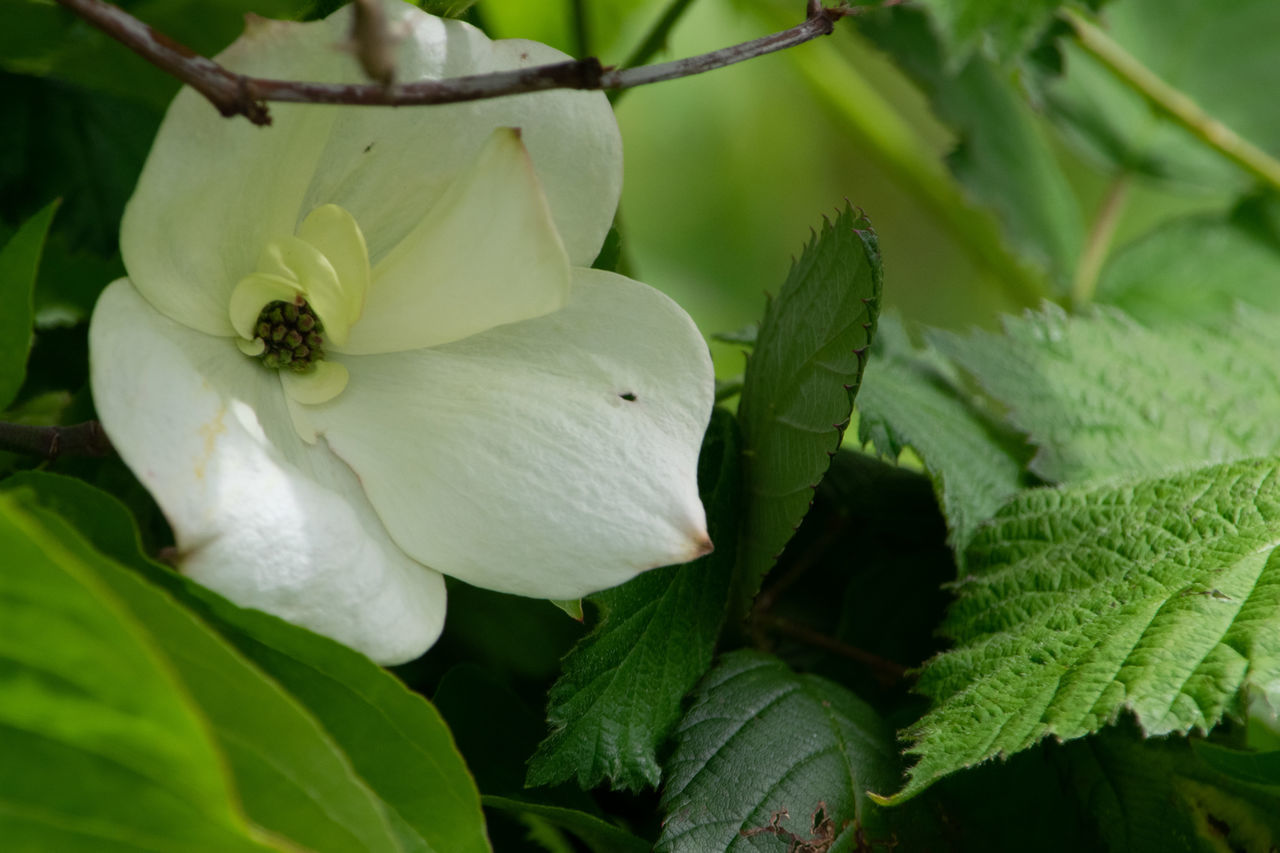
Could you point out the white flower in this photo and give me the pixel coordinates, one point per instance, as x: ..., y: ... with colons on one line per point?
x: 480, y: 403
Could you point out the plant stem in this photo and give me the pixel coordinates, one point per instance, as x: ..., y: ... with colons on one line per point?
x: 50, y: 442
x: 885, y: 671
x: 236, y: 94
x: 1173, y: 102
x: 656, y: 39
x: 1099, y: 240
x: 581, y: 28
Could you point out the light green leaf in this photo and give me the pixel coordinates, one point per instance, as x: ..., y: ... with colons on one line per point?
x: 19, y: 263
x: 761, y: 741
x: 394, y: 739
x: 907, y: 401
x: 1198, y: 268
x: 1102, y: 396
x: 103, y: 748
x: 1002, y: 156
x: 599, y: 835
x: 620, y: 693
x: 800, y: 381
x: 1202, y: 49
x: 292, y: 779
x: 1159, y: 597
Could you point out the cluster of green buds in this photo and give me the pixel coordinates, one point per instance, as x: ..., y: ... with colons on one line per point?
x: 290, y: 333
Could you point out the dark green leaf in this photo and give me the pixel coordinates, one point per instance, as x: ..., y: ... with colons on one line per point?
x: 1196, y: 269
x: 394, y: 739
x: 19, y: 262
x: 1002, y: 157
x: 1255, y: 768
x: 1102, y: 396
x: 1154, y: 796
x: 907, y: 401
x: 599, y: 835
x: 799, y: 385
x: 1159, y: 597
x: 87, y: 147
x: 761, y: 743
x: 103, y: 748
x: 620, y: 693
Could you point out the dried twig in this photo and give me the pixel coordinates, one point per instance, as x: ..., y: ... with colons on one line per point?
x: 50, y: 442
x: 236, y: 94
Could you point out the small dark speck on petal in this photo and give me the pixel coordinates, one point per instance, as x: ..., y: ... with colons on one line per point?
x: 368, y: 148
x: 629, y: 397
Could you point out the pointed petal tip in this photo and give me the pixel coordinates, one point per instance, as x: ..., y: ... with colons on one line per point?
x: 700, y: 546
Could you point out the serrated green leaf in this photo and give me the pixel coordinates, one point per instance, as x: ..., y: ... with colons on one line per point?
x: 19, y: 263
x: 1005, y: 27
x: 619, y: 696
x: 1103, y: 396
x: 598, y: 835
x: 760, y: 741
x: 907, y: 401
x: 1202, y: 49
x: 1160, y: 597
x: 1196, y: 269
x: 1002, y: 156
x: 799, y: 385
x: 103, y: 749
x: 1154, y: 796
x: 394, y: 739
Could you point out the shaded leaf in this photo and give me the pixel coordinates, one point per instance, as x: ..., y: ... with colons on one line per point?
x: 907, y: 401
x: 1002, y: 156
x: 761, y: 742
x: 19, y: 263
x: 599, y: 835
x: 619, y: 696
x: 799, y: 385
x: 1159, y: 597
x: 1159, y: 795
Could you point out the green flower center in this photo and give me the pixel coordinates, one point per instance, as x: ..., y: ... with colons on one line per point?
x: 290, y: 334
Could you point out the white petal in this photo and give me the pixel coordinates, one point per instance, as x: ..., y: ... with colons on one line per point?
x: 259, y: 516
x: 550, y: 458
x: 486, y: 254
x: 389, y: 166
x: 215, y: 191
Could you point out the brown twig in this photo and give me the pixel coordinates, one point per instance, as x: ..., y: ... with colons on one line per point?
x: 50, y: 442
x: 886, y: 671
x: 236, y: 94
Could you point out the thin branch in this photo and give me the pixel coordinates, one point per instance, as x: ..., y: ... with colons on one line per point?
x: 50, y: 442
x: 236, y: 94
x: 886, y: 671
x: 1099, y: 240
x: 1173, y: 102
